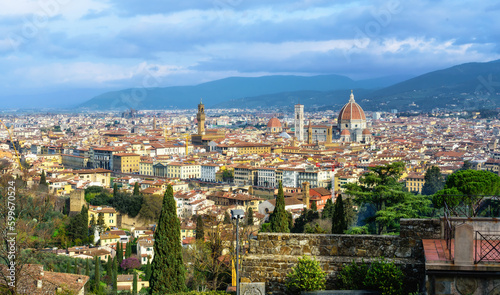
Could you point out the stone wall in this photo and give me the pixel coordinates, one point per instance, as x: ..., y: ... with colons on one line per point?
x: 272, y: 255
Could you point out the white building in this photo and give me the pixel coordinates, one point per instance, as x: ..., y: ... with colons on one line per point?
x: 208, y: 172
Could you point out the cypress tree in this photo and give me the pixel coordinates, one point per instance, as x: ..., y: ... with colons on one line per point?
x: 115, y: 275
x: 109, y: 266
x: 134, y: 284
x: 97, y: 276
x: 279, y: 218
x: 434, y: 181
x: 43, y: 179
x: 68, y: 267
x: 137, y: 192
x: 84, y: 224
x: 119, y: 253
x: 339, y: 223
x: 328, y: 209
x: 128, y: 250
x: 115, y: 189
x: 200, y: 232
x: 250, y: 216
x: 314, y: 206
x: 87, y: 268
x: 168, y: 273
x: 148, y: 270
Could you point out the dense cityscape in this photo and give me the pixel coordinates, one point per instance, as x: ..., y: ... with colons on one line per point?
x: 91, y: 185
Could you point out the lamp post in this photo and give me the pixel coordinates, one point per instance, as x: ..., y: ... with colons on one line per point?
x: 237, y: 214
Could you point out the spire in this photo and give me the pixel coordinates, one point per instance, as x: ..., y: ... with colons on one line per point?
x: 351, y: 98
x: 202, y: 102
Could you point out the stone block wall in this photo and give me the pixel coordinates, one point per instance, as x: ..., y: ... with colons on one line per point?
x: 272, y: 255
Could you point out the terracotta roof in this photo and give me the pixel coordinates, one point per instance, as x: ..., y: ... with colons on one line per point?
x: 274, y: 122
x: 351, y: 111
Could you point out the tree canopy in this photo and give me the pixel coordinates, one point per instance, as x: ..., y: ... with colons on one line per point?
x: 279, y: 217
x: 434, y: 181
x: 168, y: 273
x: 381, y: 190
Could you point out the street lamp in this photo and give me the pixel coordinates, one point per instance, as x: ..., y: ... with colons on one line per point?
x: 237, y: 214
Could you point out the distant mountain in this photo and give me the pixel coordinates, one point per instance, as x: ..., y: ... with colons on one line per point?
x: 465, y: 86
x: 217, y: 93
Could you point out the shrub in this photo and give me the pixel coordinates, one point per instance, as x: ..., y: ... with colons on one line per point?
x: 307, y: 275
x: 381, y: 275
x: 352, y: 276
x: 385, y: 277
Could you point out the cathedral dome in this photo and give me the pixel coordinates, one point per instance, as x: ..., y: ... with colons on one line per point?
x: 274, y: 122
x: 366, y: 132
x: 351, y: 111
x: 345, y: 132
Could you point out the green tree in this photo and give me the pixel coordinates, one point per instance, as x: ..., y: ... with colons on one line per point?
x: 314, y: 206
x: 84, y: 223
x: 168, y: 273
x: 109, y: 267
x: 97, y: 275
x: 134, y: 284
x: 250, y: 216
x: 227, y: 218
x: 147, y: 273
x: 466, y: 166
x: 115, y: 275
x: 44, y: 186
x: 434, y: 181
x: 43, y: 179
x: 279, y: 217
x: 306, y: 275
x: 200, y: 232
x: 305, y: 217
x: 339, y: 224
x: 388, y: 199
x: 87, y: 268
x: 328, y: 209
x: 137, y: 191
x: 128, y: 249
x: 68, y: 267
x: 115, y: 189
x: 119, y: 252
x: 466, y: 186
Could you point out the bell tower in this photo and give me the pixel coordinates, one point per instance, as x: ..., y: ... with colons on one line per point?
x: 201, y: 118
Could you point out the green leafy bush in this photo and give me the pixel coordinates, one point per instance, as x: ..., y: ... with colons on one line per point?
x: 381, y: 275
x: 307, y: 275
x: 353, y: 275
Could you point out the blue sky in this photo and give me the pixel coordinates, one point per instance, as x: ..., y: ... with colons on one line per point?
x: 53, y: 45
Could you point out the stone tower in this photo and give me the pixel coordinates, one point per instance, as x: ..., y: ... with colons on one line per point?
x: 305, y: 192
x: 329, y: 134
x: 299, y: 122
x: 309, y: 133
x: 76, y: 201
x: 154, y: 123
x: 201, y: 119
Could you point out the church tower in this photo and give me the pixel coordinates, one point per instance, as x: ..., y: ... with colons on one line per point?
x: 201, y: 118
x: 154, y: 123
x: 299, y: 122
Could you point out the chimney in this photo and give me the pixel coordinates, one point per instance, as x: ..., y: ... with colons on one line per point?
x: 305, y: 193
x: 39, y: 284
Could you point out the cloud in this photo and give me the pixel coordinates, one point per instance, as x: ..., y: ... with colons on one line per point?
x: 103, y: 43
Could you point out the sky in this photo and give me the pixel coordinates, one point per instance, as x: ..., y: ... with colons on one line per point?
x: 92, y: 46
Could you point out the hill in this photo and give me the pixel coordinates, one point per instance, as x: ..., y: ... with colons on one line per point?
x: 465, y: 86
x: 217, y: 93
